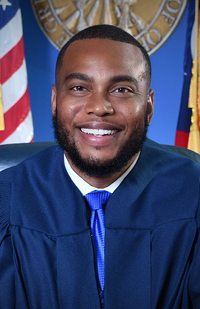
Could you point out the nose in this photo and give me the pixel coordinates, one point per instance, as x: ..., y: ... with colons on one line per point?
x: 98, y: 105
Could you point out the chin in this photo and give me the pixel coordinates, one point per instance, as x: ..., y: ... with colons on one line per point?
x: 98, y: 165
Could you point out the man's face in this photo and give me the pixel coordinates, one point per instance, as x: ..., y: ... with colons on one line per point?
x: 102, y: 104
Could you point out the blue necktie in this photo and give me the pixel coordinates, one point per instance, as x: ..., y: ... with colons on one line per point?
x: 97, y: 200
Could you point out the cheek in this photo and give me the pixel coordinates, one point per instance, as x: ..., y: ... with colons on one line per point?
x: 68, y: 109
x: 134, y: 115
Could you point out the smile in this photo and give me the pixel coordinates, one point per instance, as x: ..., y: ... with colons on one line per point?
x: 98, y: 132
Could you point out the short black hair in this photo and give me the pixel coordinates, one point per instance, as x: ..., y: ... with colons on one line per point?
x: 106, y: 32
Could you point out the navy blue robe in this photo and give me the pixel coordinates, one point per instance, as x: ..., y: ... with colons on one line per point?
x: 152, y: 254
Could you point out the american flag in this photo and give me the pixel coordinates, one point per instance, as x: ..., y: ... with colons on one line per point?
x: 15, y: 114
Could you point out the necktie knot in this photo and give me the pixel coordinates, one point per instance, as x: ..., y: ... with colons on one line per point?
x: 97, y: 199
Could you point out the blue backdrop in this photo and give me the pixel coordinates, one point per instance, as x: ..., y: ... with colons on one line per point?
x: 167, y: 79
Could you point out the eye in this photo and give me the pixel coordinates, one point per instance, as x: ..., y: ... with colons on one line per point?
x: 122, y: 89
x: 77, y: 88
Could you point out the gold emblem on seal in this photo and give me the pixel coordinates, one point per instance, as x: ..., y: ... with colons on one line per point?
x: 151, y: 22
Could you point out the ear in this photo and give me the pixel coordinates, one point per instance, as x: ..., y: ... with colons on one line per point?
x: 53, y: 99
x: 150, y: 106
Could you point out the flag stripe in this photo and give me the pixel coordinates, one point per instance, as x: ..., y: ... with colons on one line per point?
x: 12, y: 61
x: 15, y: 116
x: 11, y: 34
x: 14, y: 88
x: 15, y: 96
x: 182, y: 139
x: 23, y: 133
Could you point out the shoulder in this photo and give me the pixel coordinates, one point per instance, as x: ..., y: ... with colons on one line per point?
x: 170, y: 156
x: 37, y: 168
x: 37, y: 188
x: 18, y: 178
x: 43, y: 158
x: 169, y: 181
x: 169, y: 167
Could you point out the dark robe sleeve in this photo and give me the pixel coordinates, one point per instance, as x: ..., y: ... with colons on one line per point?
x: 7, y: 291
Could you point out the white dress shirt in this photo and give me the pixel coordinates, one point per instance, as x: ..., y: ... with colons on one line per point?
x: 85, y: 187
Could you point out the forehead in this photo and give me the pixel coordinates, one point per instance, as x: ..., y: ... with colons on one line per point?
x: 105, y: 54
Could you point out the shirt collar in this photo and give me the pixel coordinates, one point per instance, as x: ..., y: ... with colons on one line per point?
x: 85, y: 187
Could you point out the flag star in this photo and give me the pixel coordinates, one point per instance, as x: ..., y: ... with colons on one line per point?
x: 5, y: 3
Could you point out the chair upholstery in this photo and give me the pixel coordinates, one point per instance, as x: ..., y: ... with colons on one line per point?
x: 12, y: 154
x: 185, y: 152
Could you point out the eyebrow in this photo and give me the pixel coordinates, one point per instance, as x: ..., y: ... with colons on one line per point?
x: 114, y: 79
x: 79, y: 76
x: 124, y: 78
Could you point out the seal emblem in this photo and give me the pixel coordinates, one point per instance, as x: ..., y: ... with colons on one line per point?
x: 150, y: 22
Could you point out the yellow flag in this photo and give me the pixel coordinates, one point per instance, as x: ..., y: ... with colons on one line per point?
x: 194, y: 96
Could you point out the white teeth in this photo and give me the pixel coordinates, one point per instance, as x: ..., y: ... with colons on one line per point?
x: 97, y: 132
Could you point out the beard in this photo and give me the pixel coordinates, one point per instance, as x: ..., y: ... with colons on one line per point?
x: 94, y: 166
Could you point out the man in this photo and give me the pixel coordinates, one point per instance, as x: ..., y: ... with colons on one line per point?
x: 145, y: 252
